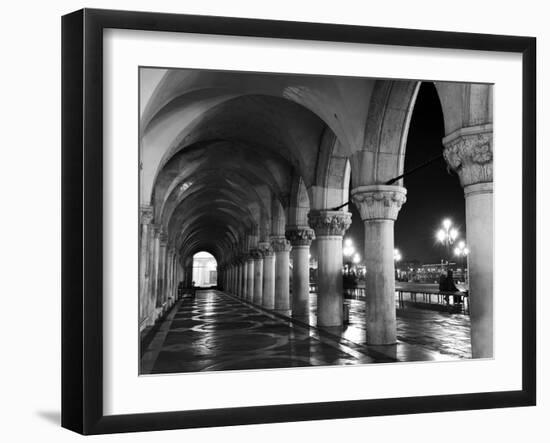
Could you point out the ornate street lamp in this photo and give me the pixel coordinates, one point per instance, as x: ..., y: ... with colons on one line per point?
x: 462, y: 252
x: 348, y: 252
x: 446, y: 236
x: 396, y: 258
x: 397, y: 255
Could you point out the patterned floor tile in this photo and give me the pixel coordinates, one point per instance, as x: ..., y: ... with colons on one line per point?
x: 215, y: 331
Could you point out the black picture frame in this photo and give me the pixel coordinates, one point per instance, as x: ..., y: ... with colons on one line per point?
x: 82, y: 215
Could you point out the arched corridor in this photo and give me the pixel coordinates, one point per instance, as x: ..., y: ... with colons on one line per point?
x: 259, y: 170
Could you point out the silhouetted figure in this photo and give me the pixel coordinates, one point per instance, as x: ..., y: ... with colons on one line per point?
x: 447, y: 284
x: 442, y: 282
x: 451, y: 287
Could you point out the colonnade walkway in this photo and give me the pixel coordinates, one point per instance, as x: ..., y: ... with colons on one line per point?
x: 217, y: 331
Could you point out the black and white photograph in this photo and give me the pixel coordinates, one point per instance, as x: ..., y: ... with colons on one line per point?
x: 271, y: 222
x: 291, y: 220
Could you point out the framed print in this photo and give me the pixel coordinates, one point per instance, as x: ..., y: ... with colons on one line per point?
x: 270, y: 221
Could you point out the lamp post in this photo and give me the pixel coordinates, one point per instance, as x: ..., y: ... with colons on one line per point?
x: 396, y: 258
x: 462, y: 252
x: 446, y: 235
x: 348, y: 251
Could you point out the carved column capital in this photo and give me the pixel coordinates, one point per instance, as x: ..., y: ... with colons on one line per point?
x: 329, y: 222
x: 379, y: 202
x: 265, y: 248
x: 280, y: 244
x: 469, y: 152
x: 256, y: 254
x: 155, y: 229
x: 146, y: 214
x: 300, y: 235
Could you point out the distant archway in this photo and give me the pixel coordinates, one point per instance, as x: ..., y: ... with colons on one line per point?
x: 205, y: 269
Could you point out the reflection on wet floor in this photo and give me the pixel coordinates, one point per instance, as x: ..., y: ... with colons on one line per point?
x: 215, y: 331
x: 440, y: 332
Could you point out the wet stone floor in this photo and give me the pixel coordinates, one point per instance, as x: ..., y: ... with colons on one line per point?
x: 422, y: 333
x: 215, y: 331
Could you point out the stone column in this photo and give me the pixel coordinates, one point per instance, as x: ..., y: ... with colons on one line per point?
x: 222, y: 276
x: 244, y: 289
x: 163, y: 239
x: 155, y: 269
x: 174, y: 278
x: 379, y: 206
x: 258, y: 276
x: 233, y: 285
x: 281, y: 246
x: 227, y: 278
x: 238, y: 271
x: 169, y: 276
x: 250, y: 278
x: 186, y: 276
x: 188, y: 266
x: 146, y: 217
x: 225, y: 281
x: 268, y: 292
x: 228, y: 285
x: 300, y: 238
x: 242, y: 278
x: 469, y: 152
x: 329, y: 228
x: 178, y: 277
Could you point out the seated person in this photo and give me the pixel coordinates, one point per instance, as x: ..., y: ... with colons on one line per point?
x: 447, y: 284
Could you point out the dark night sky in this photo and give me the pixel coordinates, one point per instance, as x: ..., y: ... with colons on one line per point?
x: 432, y: 192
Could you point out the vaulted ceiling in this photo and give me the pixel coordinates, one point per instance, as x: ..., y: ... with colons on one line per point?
x: 220, y: 150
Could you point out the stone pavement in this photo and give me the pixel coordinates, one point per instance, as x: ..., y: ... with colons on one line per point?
x: 438, y: 332
x: 216, y: 331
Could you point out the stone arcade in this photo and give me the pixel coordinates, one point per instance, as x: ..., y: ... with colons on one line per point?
x: 250, y: 168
